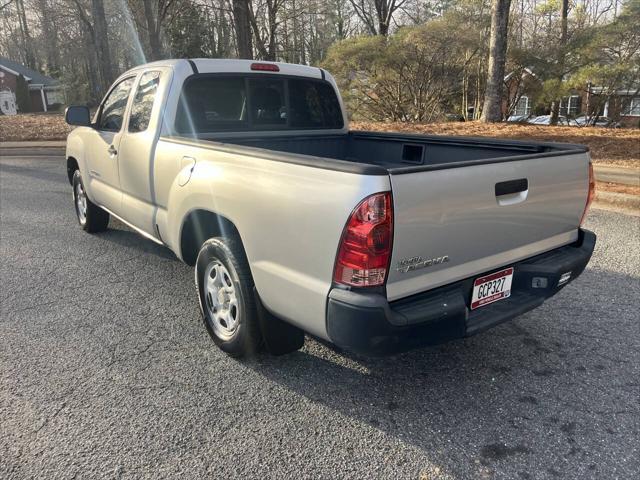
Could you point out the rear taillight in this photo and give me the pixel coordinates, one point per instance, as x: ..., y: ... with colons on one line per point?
x: 591, y: 195
x: 365, y: 247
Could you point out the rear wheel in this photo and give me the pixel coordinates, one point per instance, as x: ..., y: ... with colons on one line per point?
x: 225, y: 291
x: 90, y: 216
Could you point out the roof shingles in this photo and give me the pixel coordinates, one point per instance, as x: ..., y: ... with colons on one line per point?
x: 36, y: 77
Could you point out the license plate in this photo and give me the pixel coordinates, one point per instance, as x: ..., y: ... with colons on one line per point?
x: 491, y: 288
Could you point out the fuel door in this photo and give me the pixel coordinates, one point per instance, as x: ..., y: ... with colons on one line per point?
x: 187, y: 165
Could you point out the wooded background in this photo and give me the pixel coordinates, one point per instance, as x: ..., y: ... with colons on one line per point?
x: 398, y: 60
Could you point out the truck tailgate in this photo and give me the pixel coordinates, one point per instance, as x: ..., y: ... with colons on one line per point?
x: 454, y: 223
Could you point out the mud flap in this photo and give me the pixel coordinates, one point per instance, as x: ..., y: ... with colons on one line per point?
x: 279, y: 336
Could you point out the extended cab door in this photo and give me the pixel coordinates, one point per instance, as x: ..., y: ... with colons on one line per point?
x: 102, y: 146
x: 137, y: 149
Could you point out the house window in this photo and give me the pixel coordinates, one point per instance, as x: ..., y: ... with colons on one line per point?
x: 53, y: 97
x: 570, y: 106
x: 632, y: 109
x: 523, y: 107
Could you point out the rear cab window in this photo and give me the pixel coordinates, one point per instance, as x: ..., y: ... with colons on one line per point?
x: 211, y: 103
x: 143, y: 101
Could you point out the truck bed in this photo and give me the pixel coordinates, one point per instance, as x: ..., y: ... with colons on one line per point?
x: 404, y: 153
x: 512, y: 200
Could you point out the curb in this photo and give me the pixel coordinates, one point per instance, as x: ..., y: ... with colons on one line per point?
x: 618, y: 200
x: 32, y: 149
x: 32, y: 152
x: 620, y: 175
x: 34, y: 144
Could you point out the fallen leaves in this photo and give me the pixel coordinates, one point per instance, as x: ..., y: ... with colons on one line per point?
x: 614, y: 146
x: 33, y: 126
x: 619, y: 146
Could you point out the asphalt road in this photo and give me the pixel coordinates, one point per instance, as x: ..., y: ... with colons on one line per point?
x: 107, y: 371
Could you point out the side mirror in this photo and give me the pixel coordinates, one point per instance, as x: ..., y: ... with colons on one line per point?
x: 77, y: 115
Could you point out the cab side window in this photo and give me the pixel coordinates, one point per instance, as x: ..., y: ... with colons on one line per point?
x: 114, y: 106
x: 143, y: 102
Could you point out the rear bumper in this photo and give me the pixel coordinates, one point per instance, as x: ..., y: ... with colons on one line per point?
x: 367, y: 323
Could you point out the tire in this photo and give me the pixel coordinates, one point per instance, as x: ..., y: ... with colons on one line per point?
x: 91, y: 217
x: 225, y: 291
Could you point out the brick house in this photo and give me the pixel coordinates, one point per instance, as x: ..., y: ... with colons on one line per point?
x: 622, y: 105
x: 522, y: 87
x: 45, y: 93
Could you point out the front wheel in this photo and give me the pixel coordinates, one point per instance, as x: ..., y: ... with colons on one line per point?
x: 90, y: 216
x: 225, y: 291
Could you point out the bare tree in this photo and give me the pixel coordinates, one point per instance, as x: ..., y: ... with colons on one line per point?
x: 5, y: 4
x: 94, y: 21
x: 377, y: 19
x: 27, y: 42
x: 492, y: 110
x: 101, y: 41
x: 339, y: 13
x: 85, y: 43
x: 241, y: 19
x: 50, y: 35
x: 155, y: 12
x: 265, y: 32
x: 150, y: 16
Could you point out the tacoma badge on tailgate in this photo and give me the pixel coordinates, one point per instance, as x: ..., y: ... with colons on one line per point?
x: 418, y: 262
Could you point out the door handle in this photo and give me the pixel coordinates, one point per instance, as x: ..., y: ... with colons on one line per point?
x: 512, y: 192
x: 512, y: 186
x: 112, y: 151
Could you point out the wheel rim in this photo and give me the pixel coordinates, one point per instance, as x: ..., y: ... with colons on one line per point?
x: 81, y: 203
x: 221, y: 301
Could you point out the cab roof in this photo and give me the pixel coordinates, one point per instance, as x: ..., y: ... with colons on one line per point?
x: 219, y: 65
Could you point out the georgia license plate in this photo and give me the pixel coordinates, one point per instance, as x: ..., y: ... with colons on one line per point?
x: 491, y: 288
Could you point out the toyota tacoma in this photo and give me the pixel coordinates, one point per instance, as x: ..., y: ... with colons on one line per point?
x: 375, y: 242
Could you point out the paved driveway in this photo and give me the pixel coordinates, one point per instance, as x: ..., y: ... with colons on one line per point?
x: 107, y: 371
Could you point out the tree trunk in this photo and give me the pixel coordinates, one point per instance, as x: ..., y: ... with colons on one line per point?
x: 91, y: 68
x: 153, y: 30
x: 272, y: 12
x: 492, y: 110
x: 243, y: 28
x: 102, y: 43
x: 261, y: 43
x: 382, y: 10
x: 27, y: 42
x: 50, y: 33
x: 555, y: 112
x: 555, y: 106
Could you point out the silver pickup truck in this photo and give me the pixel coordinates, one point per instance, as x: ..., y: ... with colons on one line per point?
x: 376, y: 242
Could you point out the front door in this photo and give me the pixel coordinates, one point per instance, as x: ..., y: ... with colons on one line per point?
x: 102, y: 149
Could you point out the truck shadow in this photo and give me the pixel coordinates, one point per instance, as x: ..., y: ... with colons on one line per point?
x: 509, y: 392
x: 552, y: 385
x: 122, y: 235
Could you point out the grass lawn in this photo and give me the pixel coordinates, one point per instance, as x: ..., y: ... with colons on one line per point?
x: 608, y: 146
